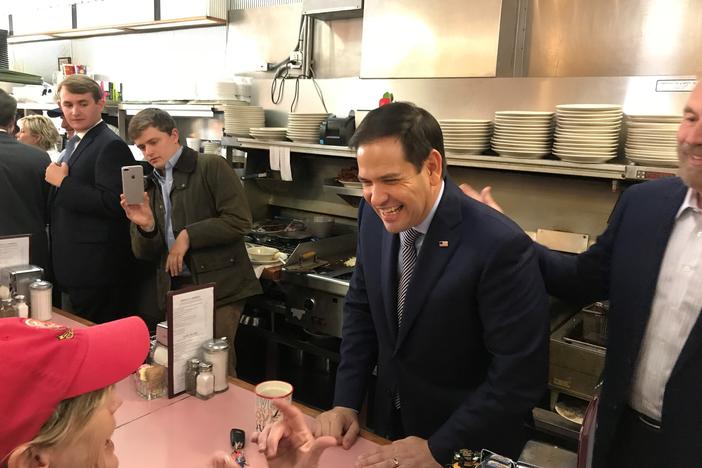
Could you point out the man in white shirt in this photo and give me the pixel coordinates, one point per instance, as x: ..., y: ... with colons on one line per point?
x: 648, y: 263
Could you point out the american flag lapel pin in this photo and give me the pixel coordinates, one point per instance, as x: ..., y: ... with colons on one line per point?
x: 443, y: 244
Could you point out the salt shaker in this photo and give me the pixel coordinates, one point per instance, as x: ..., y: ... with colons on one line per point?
x: 21, y: 306
x: 205, y: 381
x: 191, y: 376
x: 217, y: 352
x: 40, y: 300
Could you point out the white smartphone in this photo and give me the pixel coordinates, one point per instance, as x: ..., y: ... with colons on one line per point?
x: 133, y: 184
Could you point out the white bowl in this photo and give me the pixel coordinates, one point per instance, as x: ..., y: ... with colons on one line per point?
x: 263, y: 254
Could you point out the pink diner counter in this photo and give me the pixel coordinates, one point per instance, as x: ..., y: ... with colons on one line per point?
x: 183, y: 432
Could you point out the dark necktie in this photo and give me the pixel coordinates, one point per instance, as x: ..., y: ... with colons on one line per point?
x: 408, y: 257
x: 68, y: 150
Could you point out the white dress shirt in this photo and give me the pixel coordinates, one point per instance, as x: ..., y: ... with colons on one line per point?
x: 674, y: 311
x: 422, y: 227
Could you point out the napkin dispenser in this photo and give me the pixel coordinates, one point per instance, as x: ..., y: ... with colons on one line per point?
x: 337, y: 131
x: 19, y: 277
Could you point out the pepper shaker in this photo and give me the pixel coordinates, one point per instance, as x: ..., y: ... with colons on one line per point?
x: 191, y: 376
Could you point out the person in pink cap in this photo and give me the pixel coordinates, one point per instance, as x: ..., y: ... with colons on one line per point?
x: 56, y: 399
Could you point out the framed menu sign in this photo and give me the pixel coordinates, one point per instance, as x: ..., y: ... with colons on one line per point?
x: 14, y: 250
x: 190, y: 317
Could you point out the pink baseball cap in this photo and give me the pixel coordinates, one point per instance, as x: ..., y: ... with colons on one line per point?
x: 43, y: 363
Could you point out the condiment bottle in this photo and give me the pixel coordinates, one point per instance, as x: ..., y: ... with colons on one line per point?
x: 217, y: 352
x: 191, y: 376
x: 205, y: 382
x: 21, y: 306
x: 40, y: 300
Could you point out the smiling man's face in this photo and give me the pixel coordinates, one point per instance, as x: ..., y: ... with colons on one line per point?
x: 401, y: 196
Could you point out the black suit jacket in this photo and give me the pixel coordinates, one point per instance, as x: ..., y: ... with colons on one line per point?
x: 89, y: 230
x: 623, y: 266
x: 23, y: 195
x: 470, y: 359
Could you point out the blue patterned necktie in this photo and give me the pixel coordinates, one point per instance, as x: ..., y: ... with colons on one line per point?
x: 408, y: 258
x: 68, y: 150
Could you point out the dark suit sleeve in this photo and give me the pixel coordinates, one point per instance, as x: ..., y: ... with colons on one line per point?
x: 512, y: 304
x: 582, y: 278
x: 359, y: 348
x: 102, y: 198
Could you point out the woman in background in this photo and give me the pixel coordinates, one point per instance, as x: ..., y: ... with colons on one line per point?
x: 39, y: 131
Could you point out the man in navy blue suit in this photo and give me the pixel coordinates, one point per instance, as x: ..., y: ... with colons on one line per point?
x: 648, y: 263
x: 446, y: 299
x: 90, y: 244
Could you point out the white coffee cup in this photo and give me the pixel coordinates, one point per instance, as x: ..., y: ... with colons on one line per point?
x: 266, y: 393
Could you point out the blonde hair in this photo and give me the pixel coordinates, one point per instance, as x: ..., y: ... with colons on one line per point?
x: 42, y: 128
x: 67, y: 420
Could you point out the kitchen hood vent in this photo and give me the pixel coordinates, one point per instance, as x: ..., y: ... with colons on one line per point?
x: 447, y: 39
x: 332, y: 9
x: 247, y: 4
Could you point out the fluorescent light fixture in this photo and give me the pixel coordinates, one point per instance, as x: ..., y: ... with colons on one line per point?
x: 188, y: 22
x: 88, y: 32
x: 28, y: 38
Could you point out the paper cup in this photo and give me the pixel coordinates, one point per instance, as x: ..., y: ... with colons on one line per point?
x: 266, y: 392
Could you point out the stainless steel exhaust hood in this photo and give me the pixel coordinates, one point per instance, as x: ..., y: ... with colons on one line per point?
x: 445, y: 39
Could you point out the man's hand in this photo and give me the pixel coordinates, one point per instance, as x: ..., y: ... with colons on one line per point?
x: 485, y: 196
x: 289, y: 443
x: 222, y: 459
x: 140, y: 214
x: 55, y: 174
x: 411, y: 452
x: 340, y: 423
x: 174, y: 262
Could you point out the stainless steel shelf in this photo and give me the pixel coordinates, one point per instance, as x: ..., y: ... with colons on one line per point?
x: 547, y: 166
x: 340, y: 190
x: 176, y: 110
x: 308, y: 148
x: 109, y: 109
x: 613, y: 171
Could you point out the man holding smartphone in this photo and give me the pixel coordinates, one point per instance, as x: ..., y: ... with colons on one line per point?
x: 191, y: 220
x: 92, y: 259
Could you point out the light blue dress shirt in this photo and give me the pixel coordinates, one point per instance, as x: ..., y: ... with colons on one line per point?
x: 165, y: 181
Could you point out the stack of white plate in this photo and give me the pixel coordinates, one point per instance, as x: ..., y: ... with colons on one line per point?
x: 587, y: 133
x: 466, y: 136
x: 304, y: 127
x: 212, y: 147
x: 522, y: 134
x: 651, y: 140
x: 269, y: 133
x: 238, y: 119
x: 227, y: 91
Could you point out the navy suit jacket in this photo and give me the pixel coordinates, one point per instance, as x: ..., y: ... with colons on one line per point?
x: 89, y: 231
x: 623, y: 266
x: 470, y: 359
x: 23, y: 195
